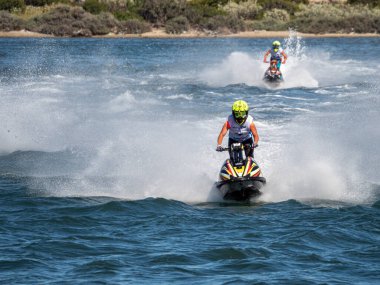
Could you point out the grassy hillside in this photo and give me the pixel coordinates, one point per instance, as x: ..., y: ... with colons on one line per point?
x: 99, y: 17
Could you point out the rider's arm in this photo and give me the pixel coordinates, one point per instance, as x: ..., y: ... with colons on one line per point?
x: 285, y: 57
x: 266, y: 55
x: 254, y: 133
x: 222, y: 133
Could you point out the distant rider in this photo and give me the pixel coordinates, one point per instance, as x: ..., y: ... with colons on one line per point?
x: 241, y: 128
x: 273, y: 70
x: 276, y: 53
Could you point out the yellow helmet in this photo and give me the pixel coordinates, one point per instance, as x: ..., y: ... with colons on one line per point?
x: 240, y: 111
x: 276, y: 45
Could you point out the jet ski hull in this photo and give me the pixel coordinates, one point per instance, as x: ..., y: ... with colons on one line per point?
x: 273, y: 74
x: 241, y: 189
x: 273, y: 79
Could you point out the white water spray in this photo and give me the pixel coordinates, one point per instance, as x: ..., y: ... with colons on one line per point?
x: 242, y: 68
x: 141, y: 146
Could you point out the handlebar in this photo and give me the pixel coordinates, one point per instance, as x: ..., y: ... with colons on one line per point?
x: 223, y: 149
x: 227, y: 148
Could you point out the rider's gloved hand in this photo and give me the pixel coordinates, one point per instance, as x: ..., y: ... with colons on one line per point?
x: 219, y: 148
x: 255, y: 145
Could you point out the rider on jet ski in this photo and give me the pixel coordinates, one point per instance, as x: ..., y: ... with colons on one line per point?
x: 276, y: 53
x: 273, y: 71
x: 241, y: 128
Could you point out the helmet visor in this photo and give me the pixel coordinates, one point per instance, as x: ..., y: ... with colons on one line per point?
x: 240, y: 121
x: 240, y: 114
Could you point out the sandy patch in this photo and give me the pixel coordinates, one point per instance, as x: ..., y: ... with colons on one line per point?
x: 22, y: 34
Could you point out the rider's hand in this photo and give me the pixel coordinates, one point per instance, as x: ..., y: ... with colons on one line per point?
x: 255, y: 145
x: 284, y: 62
x: 219, y: 148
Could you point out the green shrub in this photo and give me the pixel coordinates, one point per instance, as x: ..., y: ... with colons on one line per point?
x: 210, y: 3
x: 234, y: 24
x: 126, y: 15
x: 223, y: 23
x: 73, y: 21
x: 371, y: 3
x: 108, y: 21
x: 94, y: 6
x: 192, y: 15
x: 357, y: 24
x: 126, y: 12
x: 276, y: 15
x: 125, y: 9
x: 272, y: 20
x: 177, y: 25
x: 247, y: 10
x: 301, y: 1
x: 213, y: 24
x: 336, y: 18
x: 363, y: 24
x: 8, y: 22
x: 199, y: 14
x: 205, y: 10
x: 159, y: 11
x: 290, y: 6
x: 39, y: 2
x: 135, y: 26
x: 10, y: 5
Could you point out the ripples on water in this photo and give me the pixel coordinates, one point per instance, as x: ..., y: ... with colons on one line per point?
x: 96, y: 239
x: 108, y: 163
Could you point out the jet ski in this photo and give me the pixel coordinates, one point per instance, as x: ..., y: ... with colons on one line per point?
x: 273, y: 74
x: 240, y: 178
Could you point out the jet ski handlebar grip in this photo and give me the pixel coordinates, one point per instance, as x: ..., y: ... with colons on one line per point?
x: 221, y: 148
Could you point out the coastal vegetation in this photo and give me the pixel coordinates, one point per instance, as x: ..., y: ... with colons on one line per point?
x: 100, y: 17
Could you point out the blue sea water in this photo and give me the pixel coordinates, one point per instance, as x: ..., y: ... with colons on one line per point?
x: 107, y: 162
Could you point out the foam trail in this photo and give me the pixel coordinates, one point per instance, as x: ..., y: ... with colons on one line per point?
x: 174, y: 166
x: 323, y: 162
x: 240, y: 68
x: 127, y: 153
x: 306, y: 67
